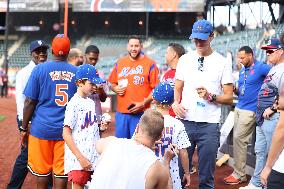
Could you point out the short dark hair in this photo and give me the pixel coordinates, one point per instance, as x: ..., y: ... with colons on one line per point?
x: 247, y: 49
x: 83, y: 81
x: 92, y: 49
x: 178, y: 48
x: 135, y: 37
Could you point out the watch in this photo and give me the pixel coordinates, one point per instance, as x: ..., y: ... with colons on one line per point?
x: 212, y: 97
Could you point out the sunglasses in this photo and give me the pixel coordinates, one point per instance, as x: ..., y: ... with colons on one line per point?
x: 271, y: 51
x: 200, y: 64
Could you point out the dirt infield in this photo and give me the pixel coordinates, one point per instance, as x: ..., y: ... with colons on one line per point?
x: 10, y: 147
x: 10, y: 143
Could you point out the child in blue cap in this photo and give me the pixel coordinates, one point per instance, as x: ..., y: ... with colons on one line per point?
x: 174, y: 134
x: 81, y: 130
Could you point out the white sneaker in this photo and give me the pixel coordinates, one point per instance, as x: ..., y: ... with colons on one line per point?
x: 250, y: 186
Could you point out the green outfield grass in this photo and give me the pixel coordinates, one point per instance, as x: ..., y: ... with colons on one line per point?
x: 2, y: 117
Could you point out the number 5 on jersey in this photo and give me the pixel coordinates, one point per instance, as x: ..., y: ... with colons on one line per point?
x: 62, y: 94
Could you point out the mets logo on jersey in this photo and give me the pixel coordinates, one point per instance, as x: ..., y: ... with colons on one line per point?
x: 126, y: 71
x: 89, y: 120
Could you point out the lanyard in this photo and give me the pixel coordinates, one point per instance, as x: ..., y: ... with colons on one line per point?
x: 247, y: 72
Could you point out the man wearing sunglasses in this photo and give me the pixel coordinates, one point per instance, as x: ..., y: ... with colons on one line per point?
x: 38, y: 53
x: 251, y: 77
x: 267, y: 114
x: 204, y: 79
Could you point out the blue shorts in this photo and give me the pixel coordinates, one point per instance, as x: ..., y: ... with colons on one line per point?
x: 126, y: 124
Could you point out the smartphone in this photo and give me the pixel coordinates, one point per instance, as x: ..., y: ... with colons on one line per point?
x: 130, y: 106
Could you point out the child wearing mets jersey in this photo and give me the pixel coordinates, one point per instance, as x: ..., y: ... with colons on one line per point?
x: 81, y: 129
x: 173, y: 134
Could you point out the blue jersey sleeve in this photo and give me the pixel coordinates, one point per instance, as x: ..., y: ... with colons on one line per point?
x: 265, y: 68
x: 32, y: 88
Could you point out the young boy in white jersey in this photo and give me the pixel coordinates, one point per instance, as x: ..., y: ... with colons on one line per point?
x: 174, y: 133
x: 81, y: 130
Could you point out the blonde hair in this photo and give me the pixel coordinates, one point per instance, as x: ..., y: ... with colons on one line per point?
x: 152, y: 123
x: 162, y: 106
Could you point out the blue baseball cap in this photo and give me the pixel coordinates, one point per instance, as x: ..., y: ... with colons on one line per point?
x: 272, y: 43
x: 164, y: 93
x: 36, y: 44
x: 89, y: 72
x: 201, y: 30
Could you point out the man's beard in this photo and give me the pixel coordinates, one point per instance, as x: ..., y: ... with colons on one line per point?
x: 136, y: 57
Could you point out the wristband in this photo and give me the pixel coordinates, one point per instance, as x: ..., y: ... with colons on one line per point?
x: 23, y: 129
x: 211, y: 97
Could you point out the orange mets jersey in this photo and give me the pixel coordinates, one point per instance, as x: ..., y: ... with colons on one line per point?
x: 140, y: 76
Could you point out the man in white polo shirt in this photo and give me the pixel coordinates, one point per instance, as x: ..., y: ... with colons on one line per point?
x: 204, y: 79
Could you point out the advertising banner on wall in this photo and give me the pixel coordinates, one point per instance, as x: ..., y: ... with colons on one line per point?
x: 106, y: 5
x: 138, y: 5
x: 30, y: 5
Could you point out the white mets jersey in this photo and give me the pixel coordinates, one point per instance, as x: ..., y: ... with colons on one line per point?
x: 81, y: 118
x: 174, y: 133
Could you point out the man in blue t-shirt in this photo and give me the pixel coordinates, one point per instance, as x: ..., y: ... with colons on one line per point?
x: 251, y: 77
x: 50, y: 87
